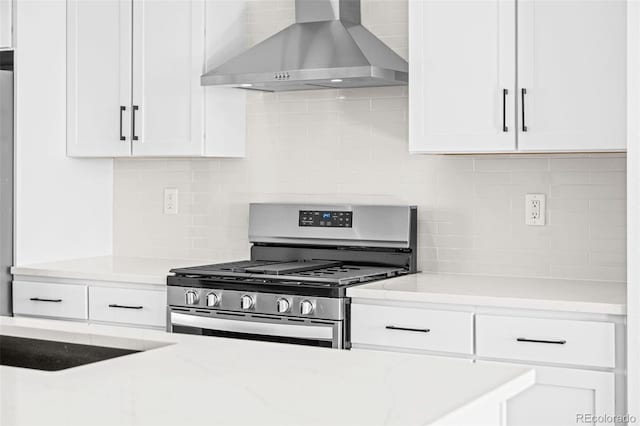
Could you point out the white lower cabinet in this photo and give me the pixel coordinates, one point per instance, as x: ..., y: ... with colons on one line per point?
x: 574, y: 356
x: 427, y: 329
x: 123, y: 305
x: 50, y: 300
x: 563, y: 396
x: 557, y: 341
x: 128, y: 304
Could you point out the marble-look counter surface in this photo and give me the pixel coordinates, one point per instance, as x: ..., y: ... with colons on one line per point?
x: 506, y: 292
x: 205, y: 380
x: 138, y: 270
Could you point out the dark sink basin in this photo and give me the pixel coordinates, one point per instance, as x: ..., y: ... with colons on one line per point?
x: 51, y: 355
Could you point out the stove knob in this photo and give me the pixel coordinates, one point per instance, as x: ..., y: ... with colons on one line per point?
x: 212, y: 299
x: 283, y: 305
x: 246, y: 302
x: 306, y: 307
x: 191, y: 298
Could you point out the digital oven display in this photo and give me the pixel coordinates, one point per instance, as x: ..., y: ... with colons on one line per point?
x: 325, y: 219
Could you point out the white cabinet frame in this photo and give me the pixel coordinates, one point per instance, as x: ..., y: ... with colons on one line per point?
x: 608, y: 384
x: 633, y: 207
x: 6, y: 24
x: 457, y: 101
x: 568, y: 58
x: 133, y: 78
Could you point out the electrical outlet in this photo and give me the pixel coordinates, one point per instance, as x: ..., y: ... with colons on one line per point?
x: 170, y: 201
x: 535, y: 209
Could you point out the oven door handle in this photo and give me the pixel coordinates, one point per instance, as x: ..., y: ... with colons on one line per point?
x: 284, y: 329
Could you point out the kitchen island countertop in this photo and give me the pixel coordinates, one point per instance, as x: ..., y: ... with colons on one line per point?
x: 205, y: 380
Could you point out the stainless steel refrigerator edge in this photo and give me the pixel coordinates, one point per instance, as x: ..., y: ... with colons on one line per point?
x: 6, y: 184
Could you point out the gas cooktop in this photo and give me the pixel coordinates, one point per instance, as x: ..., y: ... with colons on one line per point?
x: 320, y: 272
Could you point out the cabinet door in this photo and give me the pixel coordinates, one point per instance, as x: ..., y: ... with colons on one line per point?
x: 572, y: 64
x: 399, y: 327
x: 6, y: 27
x: 129, y: 306
x: 462, y: 59
x: 560, y: 395
x: 168, y: 45
x: 225, y: 107
x: 98, y: 77
x: 43, y: 299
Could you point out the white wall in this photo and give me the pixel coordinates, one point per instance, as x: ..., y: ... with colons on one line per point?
x: 351, y: 146
x: 63, y: 206
x: 633, y: 286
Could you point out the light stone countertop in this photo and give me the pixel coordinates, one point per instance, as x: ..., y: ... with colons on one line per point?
x: 506, y: 292
x: 205, y: 380
x: 138, y: 270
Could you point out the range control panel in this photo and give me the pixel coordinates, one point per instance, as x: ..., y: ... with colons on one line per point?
x: 324, y: 218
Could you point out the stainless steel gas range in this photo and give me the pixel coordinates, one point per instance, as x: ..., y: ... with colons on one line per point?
x: 293, y: 289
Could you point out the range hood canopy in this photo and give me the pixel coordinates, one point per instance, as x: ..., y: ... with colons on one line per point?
x: 327, y: 48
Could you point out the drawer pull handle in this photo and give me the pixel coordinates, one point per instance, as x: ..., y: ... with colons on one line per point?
x: 39, y: 299
x: 551, y: 342
x: 417, y: 330
x: 113, y: 305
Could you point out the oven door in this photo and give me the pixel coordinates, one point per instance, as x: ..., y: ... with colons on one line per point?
x: 258, y: 327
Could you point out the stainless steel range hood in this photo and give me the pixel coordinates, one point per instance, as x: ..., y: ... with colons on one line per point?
x: 327, y: 48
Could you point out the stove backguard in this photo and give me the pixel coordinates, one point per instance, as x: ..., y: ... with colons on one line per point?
x: 377, y: 235
x: 368, y: 225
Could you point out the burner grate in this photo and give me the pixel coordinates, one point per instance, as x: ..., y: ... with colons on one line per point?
x: 347, y: 274
x: 309, y: 272
x: 235, y: 267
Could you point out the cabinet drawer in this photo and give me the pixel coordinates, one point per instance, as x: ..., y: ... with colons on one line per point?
x: 546, y: 340
x: 140, y: 307
x: 50, y: 300
x: 442, y: 331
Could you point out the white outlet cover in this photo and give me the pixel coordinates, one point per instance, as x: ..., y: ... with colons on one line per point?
x: 535, y: 209
x: 170, y: 201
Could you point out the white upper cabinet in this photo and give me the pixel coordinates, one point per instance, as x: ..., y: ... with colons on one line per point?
x: 168, y: 47
x: 98, y: 78
x: 134, y: 71
x: 461, y: 76
x: 572, y: 65
x: 225, y: 107
x: 6, y: 24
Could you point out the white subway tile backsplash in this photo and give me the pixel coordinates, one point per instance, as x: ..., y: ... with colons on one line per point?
x: 351, y: 145
x: 516, y: 164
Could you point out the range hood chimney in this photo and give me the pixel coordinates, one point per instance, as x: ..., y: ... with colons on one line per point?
x: 327, y: 48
